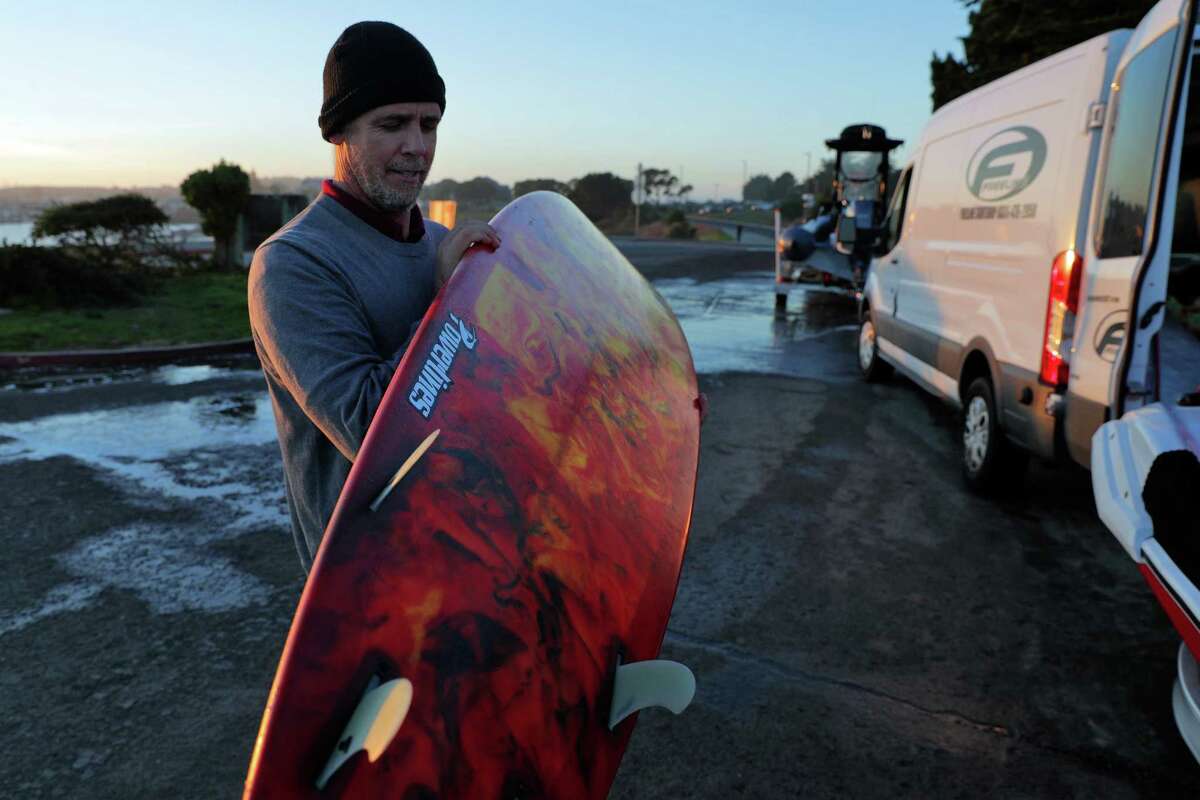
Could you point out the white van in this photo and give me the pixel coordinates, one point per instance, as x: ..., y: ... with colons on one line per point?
x: 1032, y: 215
x: 1036, y: 241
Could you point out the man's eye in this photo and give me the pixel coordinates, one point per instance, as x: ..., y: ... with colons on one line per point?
x: 429, y: 127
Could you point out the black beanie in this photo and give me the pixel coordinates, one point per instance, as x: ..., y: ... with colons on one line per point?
x: 374, y: 64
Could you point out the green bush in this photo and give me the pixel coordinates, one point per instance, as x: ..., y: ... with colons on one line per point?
x: 113, y: 232
x: 681, y: 230
x: 602, y: 196
x: 791, y: 209
x: 648, y: 214
x: 675, y: 217
x: 50, y: 277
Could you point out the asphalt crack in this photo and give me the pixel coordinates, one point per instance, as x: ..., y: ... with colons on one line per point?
x: 737, y: 654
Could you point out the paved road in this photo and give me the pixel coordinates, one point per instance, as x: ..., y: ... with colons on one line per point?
x: 752, y: 233
x: 859, y: 626
x: 653, y: 255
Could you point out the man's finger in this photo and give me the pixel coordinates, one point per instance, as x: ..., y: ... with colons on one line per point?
x: 481, y: 235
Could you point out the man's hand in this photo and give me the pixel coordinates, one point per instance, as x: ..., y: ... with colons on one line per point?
x: 456, y: 244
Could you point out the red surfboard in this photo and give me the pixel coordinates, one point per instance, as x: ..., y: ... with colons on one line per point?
x: 511, y: 533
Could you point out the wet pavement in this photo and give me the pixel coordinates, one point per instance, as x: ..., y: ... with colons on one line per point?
x: 731, y: 326
x: 859, y: 625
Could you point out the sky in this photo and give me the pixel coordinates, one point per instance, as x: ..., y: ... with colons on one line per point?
x: 143, y: 93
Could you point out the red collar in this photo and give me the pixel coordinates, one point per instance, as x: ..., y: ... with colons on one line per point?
x: 375, y: 218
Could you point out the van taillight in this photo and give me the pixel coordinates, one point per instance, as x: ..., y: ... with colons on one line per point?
x: 1065, y: 275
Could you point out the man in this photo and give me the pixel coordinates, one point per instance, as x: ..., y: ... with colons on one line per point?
x: 337, y: 293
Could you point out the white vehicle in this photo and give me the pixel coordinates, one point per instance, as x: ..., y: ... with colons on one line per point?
x: 1019, y: 237
x: 1024, y: 277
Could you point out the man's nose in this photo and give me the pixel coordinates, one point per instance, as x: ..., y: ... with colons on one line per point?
x: 414, y: 143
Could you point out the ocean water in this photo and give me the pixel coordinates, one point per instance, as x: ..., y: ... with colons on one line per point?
x: 18, y: 233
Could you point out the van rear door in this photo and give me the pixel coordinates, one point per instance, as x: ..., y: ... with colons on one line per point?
x: 1138, y: 197
x: 1126, y: 257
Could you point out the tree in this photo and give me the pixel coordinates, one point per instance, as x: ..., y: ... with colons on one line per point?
x: 539, y: 185
x: 112, y: 231
x: 678, y: 227
x: 792, y: 208
x: 820, y: 183
x: 658, y: 183
x: 602, y: 196
x: 446, y: 189
x: 782, y: 186
x: 1006, y: 35
x: 482, y: 191
x: 220, y: 195
x: 758, y: 188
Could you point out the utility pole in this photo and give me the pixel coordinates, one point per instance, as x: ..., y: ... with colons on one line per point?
x: 808, y: 168
x: 637, y: 200
x: 744, y: 176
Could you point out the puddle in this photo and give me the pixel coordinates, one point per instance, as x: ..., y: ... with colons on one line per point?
x: 731, y: 324
x: 216, y: 454
x: 178, y: 376
x: 119, y: 438
x: 185, y: 450
x: 41, y: 382
x: 44, y: 384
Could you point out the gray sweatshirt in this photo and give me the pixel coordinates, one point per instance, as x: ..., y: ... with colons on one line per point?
x: 333, y: 303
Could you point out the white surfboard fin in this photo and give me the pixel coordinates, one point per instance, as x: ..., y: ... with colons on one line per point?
x: 404, y: 468
x: 643, y: 684
x: 372, y: 726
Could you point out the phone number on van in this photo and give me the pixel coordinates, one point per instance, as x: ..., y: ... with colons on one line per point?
x: 1014, y: 211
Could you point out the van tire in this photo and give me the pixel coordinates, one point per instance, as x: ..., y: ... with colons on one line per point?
x: 990, y: 463
x: 872, y: 368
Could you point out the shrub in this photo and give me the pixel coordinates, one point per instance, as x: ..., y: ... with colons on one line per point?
x: 791, y: 209
x: 602, y: 196
x: 681, y: 230
x: 114, y: 232
x: 50, y: 277
x: 220, y: 195
x: 648, y: 214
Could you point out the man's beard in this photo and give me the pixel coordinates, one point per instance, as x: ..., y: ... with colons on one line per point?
x: 374, y: 185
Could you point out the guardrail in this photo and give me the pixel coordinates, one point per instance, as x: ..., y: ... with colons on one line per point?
x: 733, y: 225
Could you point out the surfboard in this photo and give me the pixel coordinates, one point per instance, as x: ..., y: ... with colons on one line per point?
x: 494, y: 585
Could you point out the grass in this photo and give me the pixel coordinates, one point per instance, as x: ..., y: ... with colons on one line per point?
x: 706, y: 233
x: 751, y: 216
x: 185, y: 309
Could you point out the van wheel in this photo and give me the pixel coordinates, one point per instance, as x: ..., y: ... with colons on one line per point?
x: 990, y: 462
x: 872, y: 367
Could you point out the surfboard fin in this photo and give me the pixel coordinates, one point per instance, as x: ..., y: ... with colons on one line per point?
x: 643, y: 684
x: 372, y: 726
x: 404, y: 468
